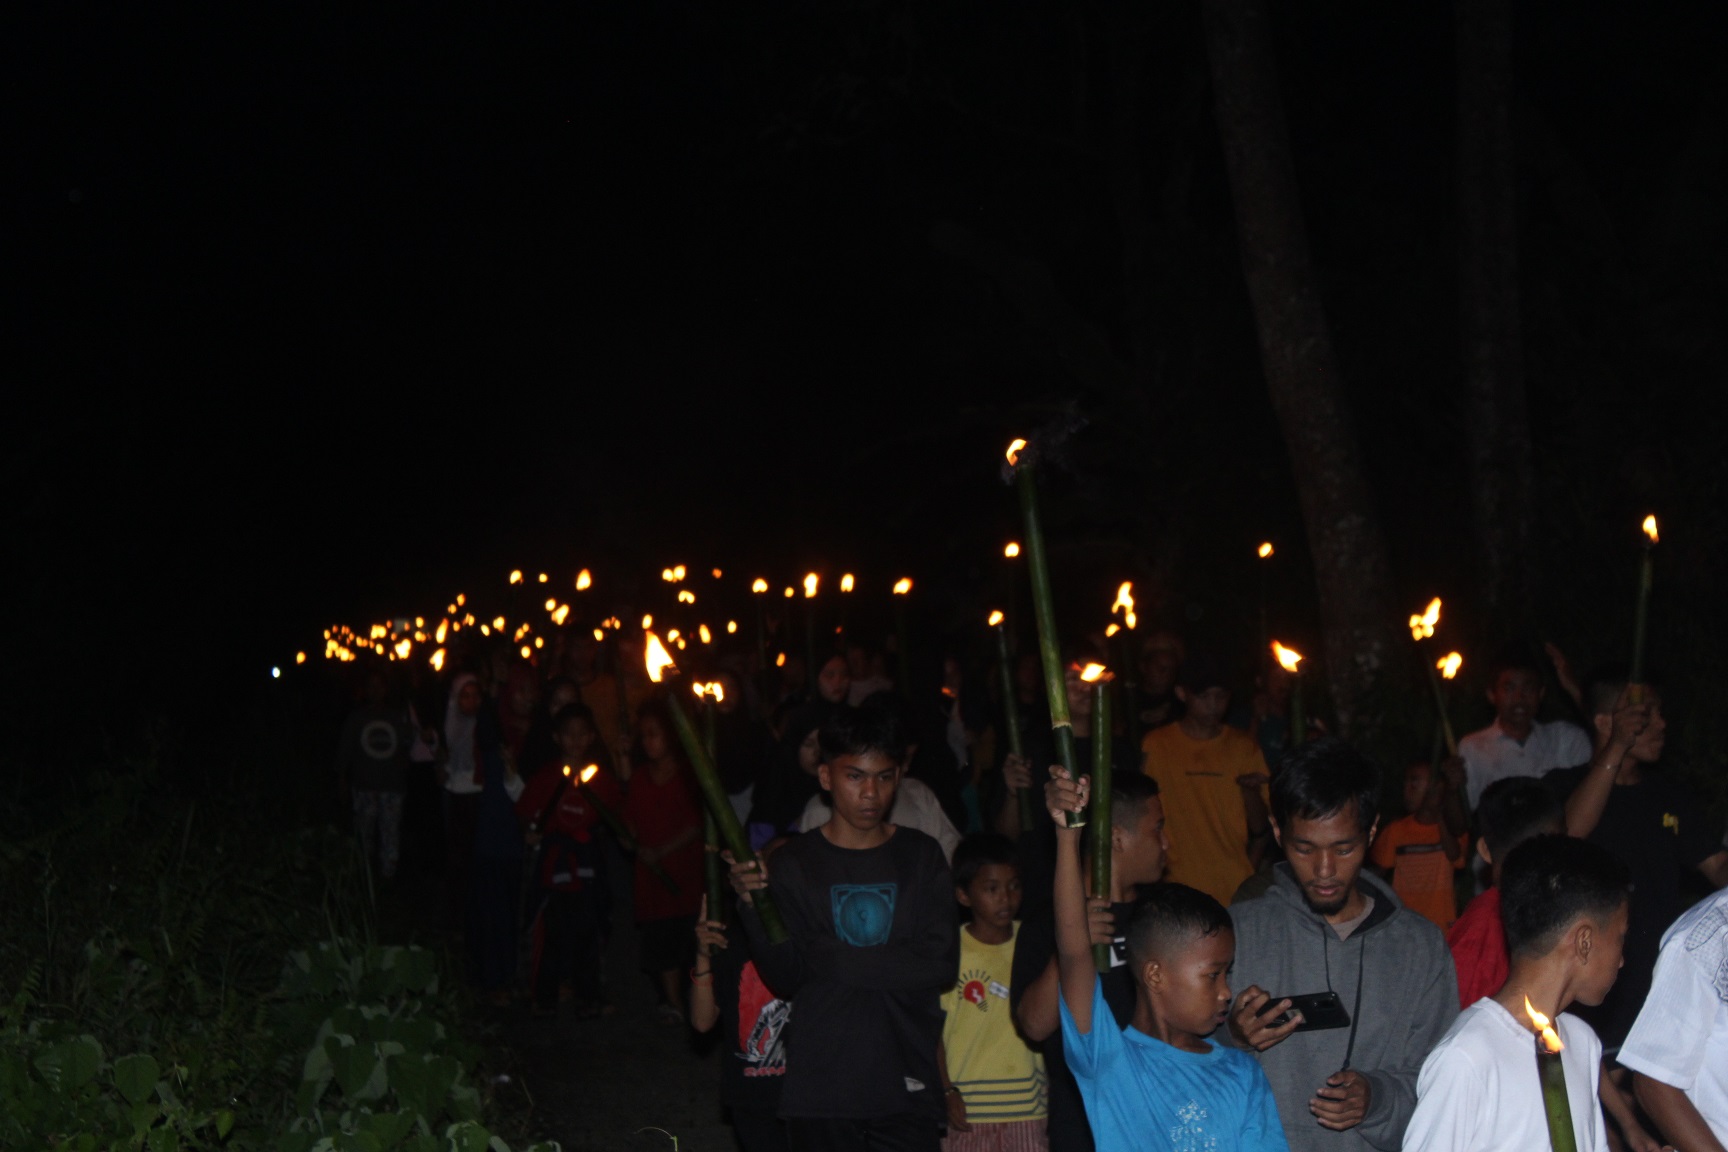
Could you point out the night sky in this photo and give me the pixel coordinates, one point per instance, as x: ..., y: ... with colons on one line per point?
x: 322, y: 313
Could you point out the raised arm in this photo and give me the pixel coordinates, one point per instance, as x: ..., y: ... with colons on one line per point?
x: 1585, y: 806
x: 1075, y: 971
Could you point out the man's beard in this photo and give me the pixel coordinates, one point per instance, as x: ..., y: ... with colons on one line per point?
x: 1331, y: 908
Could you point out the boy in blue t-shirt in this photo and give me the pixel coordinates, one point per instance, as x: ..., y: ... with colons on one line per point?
x: 1160, y: 1077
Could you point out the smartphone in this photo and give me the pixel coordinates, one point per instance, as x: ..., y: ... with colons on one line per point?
x: 1320, y: 1011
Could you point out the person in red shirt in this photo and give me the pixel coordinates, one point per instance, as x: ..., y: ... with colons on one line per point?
x: 664, y: 812
x: 1512, y: 811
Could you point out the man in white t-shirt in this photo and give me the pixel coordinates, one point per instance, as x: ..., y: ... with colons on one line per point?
x: 1517, y: 744
x: 1678, y: 1048
x: 1564, y: 905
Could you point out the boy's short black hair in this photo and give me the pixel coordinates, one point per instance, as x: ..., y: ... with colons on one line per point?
x: 1515, y: 809
x: 569, y: 712
x: 1170, y: 916
x: 1548, y: 882
x: 1129, y: 793
x: 1514, y: 657
x: 977, y: 850
x: 874, y: 726
x: 1320, y: 778
x: 1606, y: 683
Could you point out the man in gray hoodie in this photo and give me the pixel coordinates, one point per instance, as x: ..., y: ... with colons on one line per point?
x: 1327, y: 926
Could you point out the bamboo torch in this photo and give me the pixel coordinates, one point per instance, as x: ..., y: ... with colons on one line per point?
x: 1099, y: 832
x: 1011, y: 713
x: 620, y: 830
x: 1641, y: 618
x: 661, y: 667
x: 1044, y: 613
x: 711, y: 695
x: 1552, y: 1074
x: 1422, y: 628
x: 1291, y: 661
x: 903, y: 634
x: 1447, y: 666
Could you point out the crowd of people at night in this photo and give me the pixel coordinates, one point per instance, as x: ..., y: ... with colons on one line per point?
x: 1286, y: 955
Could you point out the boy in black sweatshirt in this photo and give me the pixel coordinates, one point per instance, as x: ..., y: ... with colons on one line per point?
x: 872, y: 942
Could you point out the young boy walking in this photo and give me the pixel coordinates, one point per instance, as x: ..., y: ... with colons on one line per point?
x: 992, y: 1081
x: 872, y: 941
x: 1160, y: 1082
x: 1564, y: 904
x: 1421, y: 852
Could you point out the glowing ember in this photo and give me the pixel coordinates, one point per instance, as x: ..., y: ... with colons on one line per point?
x: 1449, y: 664
x: 656, y: 657
x: 903, y: 586
x: 1288, y: 658
x: 584, y: 580
x: 759, y: 586
x: 995, y: 619
x: 589, y: 773
x: 1014, y: 451
x: 1650, y: 528
x: 1540, y: 1022
x: 846, y: 582
x: 1093, y: 673
x: 1010, y: 550
x: 1422, y: 627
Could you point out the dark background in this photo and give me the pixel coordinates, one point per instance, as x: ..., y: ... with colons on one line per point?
x: 324, y: 313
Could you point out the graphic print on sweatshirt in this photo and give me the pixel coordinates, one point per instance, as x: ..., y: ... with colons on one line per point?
x: 863, y: 913
x: 761, y: 1026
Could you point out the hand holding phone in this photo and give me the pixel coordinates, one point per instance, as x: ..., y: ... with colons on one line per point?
x: 1317, y: 1011
x: 1257, y: 1021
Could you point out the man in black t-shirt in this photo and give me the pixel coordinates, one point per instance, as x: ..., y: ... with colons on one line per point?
x: 1624, y: 802
x: 1138, y: 848
x: 873, y: 939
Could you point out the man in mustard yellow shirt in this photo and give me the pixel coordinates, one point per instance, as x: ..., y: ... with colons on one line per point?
x: 1212, y: 779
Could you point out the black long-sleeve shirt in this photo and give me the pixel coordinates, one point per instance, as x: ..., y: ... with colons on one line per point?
x: 872, y: 942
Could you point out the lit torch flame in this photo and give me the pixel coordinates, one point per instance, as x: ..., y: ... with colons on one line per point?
x: 847, y: 583
x: 544, y: 577
x: 584, y: 580
x: 1650, y: 528
x: 588, y: 773
x: 995, y: 619
x: 903, y: 585
x: 810, y: 582
x: 731, y: 626
x: 1550, y: 1038
x: 1014, y: 452
x: 498, y: 623
x: 1093, y: 673
x: 551, y: 604
x: 1288, y: 658
x: 702, y: 631
x: 759, y: 586
x: 1111, y: 630
x: 1449, y: 665
x: 438, y: 660
x: 686, y: 597
x: 1265, y: 550
x: 599, y: 635
x: 566, y: 769
x: 655, y: 656
x: 443, y: 631
x: 1124, y: 597
x: 515, y: 578
x: 1422, y: 627
x: 560, y: 614
x: 1011, y: 550
x: 647, y: 622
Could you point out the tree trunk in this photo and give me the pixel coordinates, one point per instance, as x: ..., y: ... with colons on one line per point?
x: 1497, y: 438
x: 1351, y: 567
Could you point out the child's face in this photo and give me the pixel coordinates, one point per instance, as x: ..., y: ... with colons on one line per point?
x: 1607, y: 954
x: 1191, y: 989
x: 862, y: 788
x: 1416, y: 780
x: 810, y: 751
x: 653, y: 740
x: 575, y: 737
x: 993, y: 895
x: 834, y: 681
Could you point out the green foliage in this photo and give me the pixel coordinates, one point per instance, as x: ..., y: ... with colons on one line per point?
x: 216, y: 985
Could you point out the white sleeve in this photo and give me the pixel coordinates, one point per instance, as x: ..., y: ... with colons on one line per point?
x: 1449, y: 1104
x: 1574, y: 748
x: 1668, y: 1039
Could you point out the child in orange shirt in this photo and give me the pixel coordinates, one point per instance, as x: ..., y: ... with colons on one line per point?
x: 1421, y: 853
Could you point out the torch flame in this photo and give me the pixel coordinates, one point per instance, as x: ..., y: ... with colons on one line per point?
x: 516, y: 576
x: 1093, y: 673
x: 780, y: 660
x: 1124, y: 597
x: 1014, y: 452
x: 1650, y: 528
x: 599, y: 635
x: 759, y: 586
x: 566, y: 769
x: 299, y: 657
x: 1111, y: 630
x: 1422, y: 627
x: 655, y: 656
x: 1265, y: 550
x: 702, y: 631
x: 544, y: 577
x: 647, y: 622
x: 584, y: 580
x: 588, y: 773
x: 1011, y: 550
x: 995, y: 619
x: 903, y: 585
x: 404, y: 648
x: 561, y: 614
x: 551, y: 604
x: 1449, y: 665
x: 717, y: 573
x: 527, y: 652
x: 846, y: 583
x: 666, y: 575
x: 1288, y: 658
x: 438, y: 660
x: 731, y: 626
x: 686, y: 597
x: 810, y: 582
x: 498, y: 623
x: 678, y: 573
x: 788, y: 593
x: 1550, y: 1038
